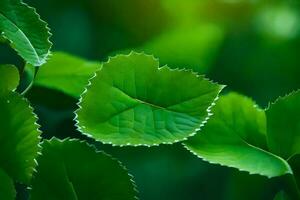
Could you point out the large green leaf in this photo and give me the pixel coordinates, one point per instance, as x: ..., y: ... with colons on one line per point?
x: 7, y: 188
x: 235, y: 137
x: 28, y: 34
x: 131, y: 101
x: 283, y: 119
x: 19, y: 137
x: 73, y: 170
x: 9, y: 77
x: 66, y: 73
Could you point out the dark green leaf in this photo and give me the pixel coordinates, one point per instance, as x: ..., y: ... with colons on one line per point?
x: 131, y: 101
x: 193, y: 47
x: 7, y: 190
x: 281, y: 196
x: 283, y: 119
x: 73, y: 170
x: 66, y: 73
x: 28, y: 34
x: 235, y: 137
x: 19, y: 137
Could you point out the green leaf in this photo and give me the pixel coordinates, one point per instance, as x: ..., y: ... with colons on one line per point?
x: 66, y: 73
x: 283, y: 119
x: 73, y: 170
x: 131, y: 101
x: 235, y: 137
x: 194, y: 47
x: 28, y: 34
x: 7, y: 188
x: 9, y: 77
x: 19, y: 137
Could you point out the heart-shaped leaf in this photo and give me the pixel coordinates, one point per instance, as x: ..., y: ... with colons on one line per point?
x: 73, y: 170
x: 28, y: 34
x: 19, y: 137
x: 131, y: 101
x: 7, y: 188
x: 283, y: 119
x: 9, y: 77
x: 235, y: 137
x: 66, y: 73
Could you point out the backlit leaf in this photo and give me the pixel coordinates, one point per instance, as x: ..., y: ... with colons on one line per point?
x: 283, y: 119
x: 28, y: 34
x: 235, y: 137
x: 133, y: 101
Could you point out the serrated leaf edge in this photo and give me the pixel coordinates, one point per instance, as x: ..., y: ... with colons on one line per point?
x: 68, y: 139
x: 48, y: 54
x: 208, y: 110
x: 289, y: 171
x: 281, y: 98
x: 35, y: 117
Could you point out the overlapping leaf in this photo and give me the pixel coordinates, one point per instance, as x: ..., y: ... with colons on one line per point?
x: 283, y: 119
x: 19, y: 137
x: 73, y: 170
x: 28, y: 34
x: 7, y: 190
x: 131, y: 101
x: 66, y: 73
x: 235, y: 137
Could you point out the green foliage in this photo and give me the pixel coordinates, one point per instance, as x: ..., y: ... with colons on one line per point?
x: 281, y: 196
x: 194, y: 48
x: 235, y: 137
x: 19, y: 137
x: 66, y: 73
x: 9, y: 77
x: 77, y: 172
x: 28, y: 34
x: 7, y: 190
x: 133, y: 101
x: 283, y: 119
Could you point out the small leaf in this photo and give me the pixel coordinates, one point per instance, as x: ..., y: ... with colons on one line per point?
x: 235, y: 137
x: 66, y: 73
x: 73, y: 170
x: 9, y: 77
x: 7, y: 188
x: 283, y: 119
x: 19, y: 137
x: 131, y: 101
x: 28, y: 34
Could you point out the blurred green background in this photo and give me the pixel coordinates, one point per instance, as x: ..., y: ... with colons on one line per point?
x: 251, y: 46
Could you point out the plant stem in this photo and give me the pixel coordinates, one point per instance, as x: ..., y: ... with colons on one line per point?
x: 36, y: 69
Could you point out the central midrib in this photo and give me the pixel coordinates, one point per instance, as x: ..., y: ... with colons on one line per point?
x: 24, y: 35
